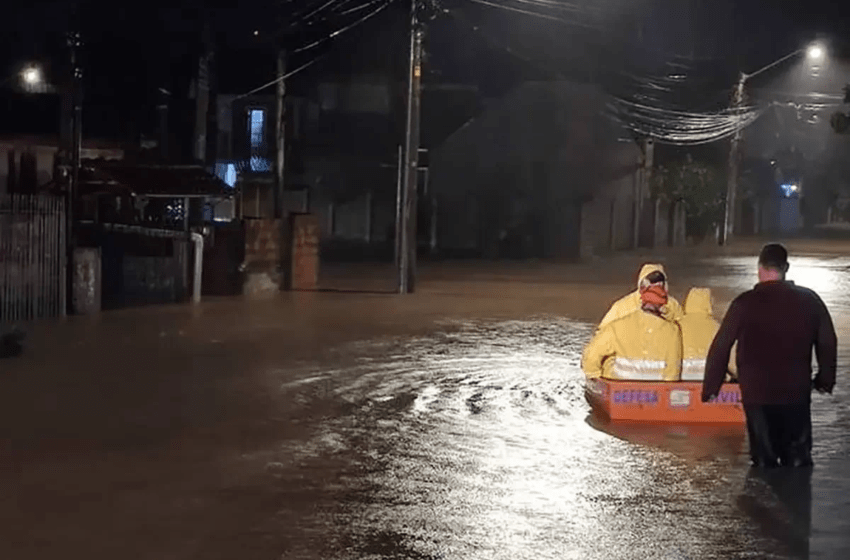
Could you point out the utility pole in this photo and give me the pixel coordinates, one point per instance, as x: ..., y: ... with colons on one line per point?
x: 202, y: 101
x: 732, y: 180
x: 280, y: 136
x: 162, y: 110
x: 408, y: 240
x: 642, y: 187
x: 74, y: 43
x: 399, y: 211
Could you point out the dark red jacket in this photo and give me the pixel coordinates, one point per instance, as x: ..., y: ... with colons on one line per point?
x: 776, y: 325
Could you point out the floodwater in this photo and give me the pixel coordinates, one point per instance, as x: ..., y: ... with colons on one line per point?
x: 449, y: 424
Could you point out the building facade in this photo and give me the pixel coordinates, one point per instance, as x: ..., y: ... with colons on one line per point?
x: 543, y: 172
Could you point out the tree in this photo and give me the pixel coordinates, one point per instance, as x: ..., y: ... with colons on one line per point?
x: 701, y: 187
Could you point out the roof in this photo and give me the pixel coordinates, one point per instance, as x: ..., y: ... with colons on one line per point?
x: 134, y: 179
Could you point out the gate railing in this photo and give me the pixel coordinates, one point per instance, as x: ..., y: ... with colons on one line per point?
x: 32, y: 257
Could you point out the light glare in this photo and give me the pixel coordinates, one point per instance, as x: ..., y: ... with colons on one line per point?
x: 816, y: 52
x: 32, y: 76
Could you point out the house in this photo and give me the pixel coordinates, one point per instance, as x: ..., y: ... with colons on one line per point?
x: 33, y: 133
x: 342, y: 150
x: 153, y: 195
x: 542, y: 172
x: 28, y: 162
x: 141, y: 214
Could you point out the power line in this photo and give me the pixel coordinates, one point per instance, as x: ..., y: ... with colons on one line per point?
x: 276, y: 80
x: 338, y: 32
x: 502, y: 6
x: 314, y: 44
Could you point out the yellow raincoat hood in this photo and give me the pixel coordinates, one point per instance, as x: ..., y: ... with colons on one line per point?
x: 631, y: 302
x: 699, y: 302
x: 699, y: 328
x: 648, y: 269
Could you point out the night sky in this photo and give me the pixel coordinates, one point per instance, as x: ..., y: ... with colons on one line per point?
x: 133, y: 48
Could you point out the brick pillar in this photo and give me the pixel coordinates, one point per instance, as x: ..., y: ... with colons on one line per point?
x: 301, y: 263
x: 262, y: 256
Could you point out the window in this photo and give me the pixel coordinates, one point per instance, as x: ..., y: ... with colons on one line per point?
x: 256, y: 128
x: 256, y: 135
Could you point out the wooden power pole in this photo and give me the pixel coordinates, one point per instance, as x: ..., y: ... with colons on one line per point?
x: 408, y: 238
x: 280, y: 135
x: 74, y: 43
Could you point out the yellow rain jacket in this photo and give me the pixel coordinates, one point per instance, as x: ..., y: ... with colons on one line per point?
x: 698, y: 330
x: 699, y: 327
x: 638, y: 347
x: 630, y: 303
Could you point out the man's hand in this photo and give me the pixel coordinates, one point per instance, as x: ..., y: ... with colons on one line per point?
x: 708, y: 398
x: 820, y: 386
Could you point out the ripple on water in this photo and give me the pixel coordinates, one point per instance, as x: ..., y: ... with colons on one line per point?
x: 476, y: 443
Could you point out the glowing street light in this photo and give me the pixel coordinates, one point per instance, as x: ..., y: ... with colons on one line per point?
x: 815, y: 52
x: 32, y: 76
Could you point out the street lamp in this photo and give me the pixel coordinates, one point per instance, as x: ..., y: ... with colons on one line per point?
x: 31, y: 76
x: 814, y: 52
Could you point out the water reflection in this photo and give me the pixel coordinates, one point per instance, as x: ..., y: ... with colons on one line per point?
x: 475, y: 442
x: 693, y: 443
x: 825, y: 275
x: 780, y: 502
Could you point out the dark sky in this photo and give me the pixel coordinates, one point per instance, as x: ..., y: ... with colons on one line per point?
x: 163, y: 30
x: 132, y: 48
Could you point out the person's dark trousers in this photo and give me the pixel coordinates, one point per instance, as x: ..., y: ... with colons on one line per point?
x: 780, y: 434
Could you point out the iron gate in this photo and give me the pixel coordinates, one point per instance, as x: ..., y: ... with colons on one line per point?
x: 32, y: 257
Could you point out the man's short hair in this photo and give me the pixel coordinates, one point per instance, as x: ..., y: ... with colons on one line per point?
x: 774, y: 256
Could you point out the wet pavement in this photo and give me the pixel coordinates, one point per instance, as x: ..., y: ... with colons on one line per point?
x: 447, y: 424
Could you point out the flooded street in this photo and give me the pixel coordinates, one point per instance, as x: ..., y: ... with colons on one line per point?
x: 449, y: 424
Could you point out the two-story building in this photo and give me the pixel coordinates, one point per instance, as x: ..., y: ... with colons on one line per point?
x: 343, y: 137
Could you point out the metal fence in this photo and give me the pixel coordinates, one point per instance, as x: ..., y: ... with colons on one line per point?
x: 32, y: 257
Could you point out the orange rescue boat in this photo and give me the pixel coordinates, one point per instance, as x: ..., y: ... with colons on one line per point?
x: 664, y: 402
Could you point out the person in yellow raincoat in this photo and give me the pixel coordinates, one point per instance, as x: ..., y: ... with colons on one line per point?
x: 671, y: 310
x: 642, y: 346
x: 699, y: 327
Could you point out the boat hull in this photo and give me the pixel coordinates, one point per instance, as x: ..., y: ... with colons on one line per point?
x: 664, y: 402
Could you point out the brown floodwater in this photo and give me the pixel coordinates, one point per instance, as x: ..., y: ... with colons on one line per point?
x: 448, y: 424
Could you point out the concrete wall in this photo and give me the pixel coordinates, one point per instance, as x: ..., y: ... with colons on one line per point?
x: 624, y: 217
x: 607, y: 219
x: 595, y: 227
x: 662, y: 224
x: 790, y: 218
x: 769, y: 215
x: 351, y: 219
x: 257, y: 198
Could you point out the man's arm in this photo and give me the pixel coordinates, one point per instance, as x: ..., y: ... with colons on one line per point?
x: 717, y: 361
x: 826, y: 348
x: 600, y: 347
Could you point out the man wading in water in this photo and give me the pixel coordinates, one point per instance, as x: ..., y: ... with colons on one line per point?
x: 776, y: 325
